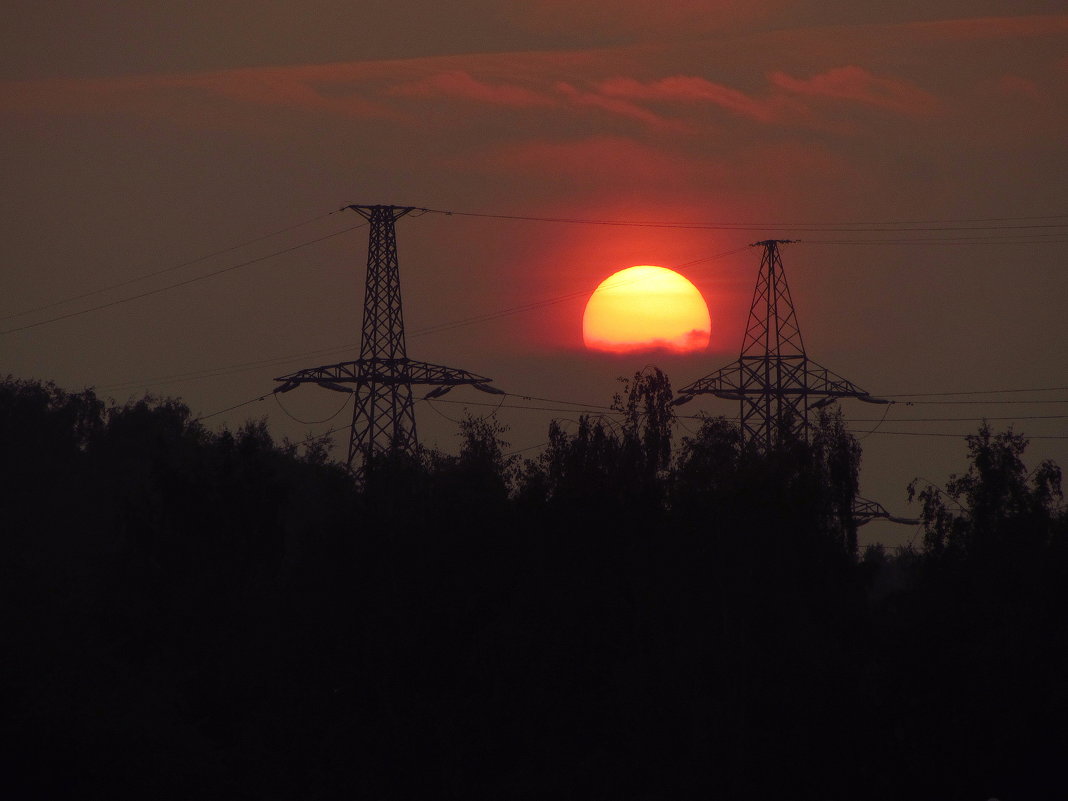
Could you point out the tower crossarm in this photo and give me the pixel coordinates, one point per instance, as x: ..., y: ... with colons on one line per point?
x: 795, y: 375
x: 383, y: 372
x: 367, y: 210
x: 864, y: 511
x: 726, y: 382
x: 824, y: 382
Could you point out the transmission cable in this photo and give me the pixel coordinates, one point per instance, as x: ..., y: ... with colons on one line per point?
x: 488, y: 316
x: 223, y: 370
x: 972, y: 392
x: 878, y: 425
x: 955, y: 436
x: 597, y: 406
x: 172, y: 268
x: 518, y: 451
x: 963, y: 419
x: 293, y: 417
x: 231, y: 408
x: 979, y: 402
x: 228, y: 369
x: 188, y: 281
x: 844, y: 227
x: 1033, y: 239
x: 607, y: 413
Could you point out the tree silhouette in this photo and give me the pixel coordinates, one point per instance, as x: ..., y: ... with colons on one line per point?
x: 995, y: 504
x: 987, y: 610
x: 189, y: 613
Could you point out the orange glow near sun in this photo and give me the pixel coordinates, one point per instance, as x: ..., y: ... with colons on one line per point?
x: 646, y: 308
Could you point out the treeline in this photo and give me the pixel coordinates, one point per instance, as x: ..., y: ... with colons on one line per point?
x: 193, y: 614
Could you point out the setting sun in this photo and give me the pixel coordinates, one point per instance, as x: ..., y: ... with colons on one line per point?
x: 646, y: 308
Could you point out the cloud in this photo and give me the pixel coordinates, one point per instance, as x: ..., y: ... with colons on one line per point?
x: 682, y: 88
x: 578, y: 97
x: 1015, y: 86
x: 460, y: 84
x: 296, y: 89
x: 675, y: 104
x: 859, y: 85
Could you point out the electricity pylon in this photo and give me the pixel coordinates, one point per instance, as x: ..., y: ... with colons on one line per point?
x: 383, y: 417
x: 774, y: 380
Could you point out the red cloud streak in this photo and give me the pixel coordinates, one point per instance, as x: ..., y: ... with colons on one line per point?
x: 462, y: 85
x: 857, y: 84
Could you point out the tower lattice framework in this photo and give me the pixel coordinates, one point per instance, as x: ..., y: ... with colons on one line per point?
x: 775, y: 382
x: 383, y: 416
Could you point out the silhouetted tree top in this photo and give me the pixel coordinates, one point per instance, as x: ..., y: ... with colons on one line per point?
x: 190, y: 613
x: 996, y: 503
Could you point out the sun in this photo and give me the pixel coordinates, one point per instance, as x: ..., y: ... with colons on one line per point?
x: 646, y: 308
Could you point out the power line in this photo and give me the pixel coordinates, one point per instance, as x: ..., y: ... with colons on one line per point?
x: 480, y: 318
x: 979, y: 402
x: 616, y: 413
x: 962, y: 420
x: 228, y: 369
x: 172, y: 268
x: 264, y: 397
x: 431, y: 401
x: 972, y: 392
x: 183, y: 283
x: 879, y: 423
x: 597, y: 406
x: 224, y: 370
x: 487, y: 317
x: 606, y: 411
x: 1030, y: 240
x: 1027, y: 223
x: 296, y: 419
x: 524, y: 450
x: 958, y: 220
x: 956, y: 436
x: 862, y: 227
x: 231, y: 408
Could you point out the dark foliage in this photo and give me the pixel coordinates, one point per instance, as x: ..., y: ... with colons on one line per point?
x: 189, y: 614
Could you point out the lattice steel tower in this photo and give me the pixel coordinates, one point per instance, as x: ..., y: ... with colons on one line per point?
x: 383, y: 417
x: 774, y: 381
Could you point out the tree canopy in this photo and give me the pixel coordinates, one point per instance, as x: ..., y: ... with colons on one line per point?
x: 197, y: 613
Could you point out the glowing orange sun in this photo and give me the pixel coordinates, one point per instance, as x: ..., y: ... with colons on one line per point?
x: 646, y: 308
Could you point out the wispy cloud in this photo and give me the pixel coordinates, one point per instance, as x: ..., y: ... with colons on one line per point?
x: 857, y: 84
x: 1016, y: 86
x: 461, y: 85
x: 689, y: 89
x: 618, y: 106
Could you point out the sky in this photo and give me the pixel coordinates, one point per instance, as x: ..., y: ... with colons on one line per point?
x: 916, y: 149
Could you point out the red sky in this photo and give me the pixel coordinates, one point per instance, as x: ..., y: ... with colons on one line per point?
x: 142, y: 135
